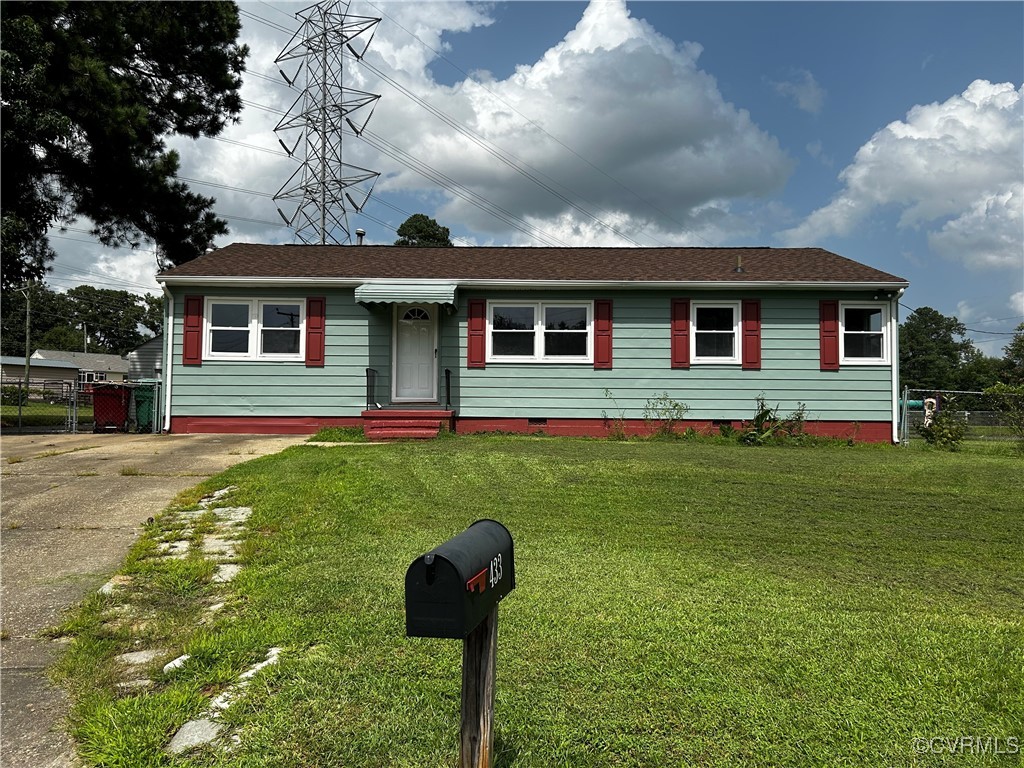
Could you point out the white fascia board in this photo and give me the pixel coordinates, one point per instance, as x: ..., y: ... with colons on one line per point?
x: 705, y: 285
x: 261, y: 282
x: 525, y: 285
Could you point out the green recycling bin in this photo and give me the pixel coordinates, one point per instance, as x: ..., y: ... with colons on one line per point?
x: 144, y: 402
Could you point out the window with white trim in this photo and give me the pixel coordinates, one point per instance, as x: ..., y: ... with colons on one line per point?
x: 540, y: 332
x: 89, y: 377
x: 863, y: 333
x: 715, y: 332
x: 254, y: 329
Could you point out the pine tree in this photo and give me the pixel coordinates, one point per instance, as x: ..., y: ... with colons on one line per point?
x: 90, y: 92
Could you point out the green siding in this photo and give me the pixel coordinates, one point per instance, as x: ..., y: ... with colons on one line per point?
x: 789, y: 372
x: 243, y: 388
x: 359, y: 337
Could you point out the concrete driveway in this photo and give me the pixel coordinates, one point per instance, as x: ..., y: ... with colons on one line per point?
x: 70, y: 507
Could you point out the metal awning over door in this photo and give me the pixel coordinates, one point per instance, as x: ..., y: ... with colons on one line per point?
x: 406, y: 292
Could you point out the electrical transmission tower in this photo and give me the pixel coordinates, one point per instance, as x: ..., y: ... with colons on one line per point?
x: 324, y: 182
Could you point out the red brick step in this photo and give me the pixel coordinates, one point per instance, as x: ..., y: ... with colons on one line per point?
x: 407, y: 424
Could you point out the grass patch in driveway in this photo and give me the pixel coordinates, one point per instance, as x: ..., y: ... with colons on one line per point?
x: 679, y: 603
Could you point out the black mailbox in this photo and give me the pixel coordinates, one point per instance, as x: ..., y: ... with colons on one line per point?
x: 452, y: 588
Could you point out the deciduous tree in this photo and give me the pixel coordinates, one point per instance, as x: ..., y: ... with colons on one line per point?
x: 1013, y: 358
x: 114, y: 321
x: 421, y: 231
x: 933, y: 350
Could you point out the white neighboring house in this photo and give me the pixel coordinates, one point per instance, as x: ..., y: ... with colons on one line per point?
x: 92, y: 366
x: 146, y: 360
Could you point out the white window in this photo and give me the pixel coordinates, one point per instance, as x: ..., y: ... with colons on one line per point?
x: 540, y: 332
x: 715, y: 332
x: 864, y: 334
x: 254, y: 329
x: 89, y: 377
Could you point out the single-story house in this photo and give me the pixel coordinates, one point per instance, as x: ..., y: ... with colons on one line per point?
x: 92, y: 366
x: 48, y: 372
x: 289, y: 338
x: 146, y: 360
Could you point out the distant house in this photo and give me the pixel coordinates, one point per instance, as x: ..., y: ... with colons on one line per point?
x: 289, y: 338
x: 41, y: 372
x: 92, y: 366
x: 146, y: 360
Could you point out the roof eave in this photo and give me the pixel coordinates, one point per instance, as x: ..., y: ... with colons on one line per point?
x: 351, y: 282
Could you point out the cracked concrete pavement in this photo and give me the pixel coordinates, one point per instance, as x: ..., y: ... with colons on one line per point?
x: 70, y: 507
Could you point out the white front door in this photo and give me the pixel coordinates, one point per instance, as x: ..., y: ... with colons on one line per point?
x: 415, y: 353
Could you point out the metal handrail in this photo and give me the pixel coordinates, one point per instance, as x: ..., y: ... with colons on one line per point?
x: 448, y: 389
x: 371, y: 389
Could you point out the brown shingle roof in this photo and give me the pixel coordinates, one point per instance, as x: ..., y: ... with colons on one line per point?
x: 770, y: 265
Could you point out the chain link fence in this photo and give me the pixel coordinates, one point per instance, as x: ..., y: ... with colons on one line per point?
x: 62, y: 406
x: 984, y: 416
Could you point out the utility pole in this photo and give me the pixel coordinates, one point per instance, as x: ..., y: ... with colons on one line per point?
x: 323, y: 182
x: 85, y: 337
x: 27, y: 293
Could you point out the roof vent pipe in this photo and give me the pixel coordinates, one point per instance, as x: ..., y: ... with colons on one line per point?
x: 360, y: 233
x: 739, y: 265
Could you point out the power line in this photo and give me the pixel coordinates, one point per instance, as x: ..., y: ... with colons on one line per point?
x: 502, y: 156
x: 109, y: 279
x: 225, y: 186
x: 261, y: 20
x: 470, y: 196
x: 277, y: 152
x: 275, y: 8
x: 274, y: 110
x: 539, y: 127
x: 253, y: 221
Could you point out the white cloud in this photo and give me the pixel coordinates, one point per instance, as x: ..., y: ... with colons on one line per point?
x: 615, y: 117
x: 956, y: 168
x: 989, y: 232
x: 803, y: 90
x: 1016, y: 303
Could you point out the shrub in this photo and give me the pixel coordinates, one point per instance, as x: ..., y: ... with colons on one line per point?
x: 766, y: 425
x: 12, y: 394
x: 944, y: 431
x: 662, y: 415
x: 1009, y: 399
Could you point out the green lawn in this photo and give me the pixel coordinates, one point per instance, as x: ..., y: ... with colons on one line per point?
x: 40, y: 414
x: 678, y: 603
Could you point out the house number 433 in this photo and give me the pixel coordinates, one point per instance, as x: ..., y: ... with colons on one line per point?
x: 495, y: 571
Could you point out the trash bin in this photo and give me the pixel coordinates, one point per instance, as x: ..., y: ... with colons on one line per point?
x: 144, y: 401
x: 110, y: 407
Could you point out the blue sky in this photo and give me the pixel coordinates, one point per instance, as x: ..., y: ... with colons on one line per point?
x: 890, y: 133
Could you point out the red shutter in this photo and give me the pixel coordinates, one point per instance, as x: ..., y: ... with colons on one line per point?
x: 476, y: 326
x: 603, y: 333
x: 680, y: 333
x: 192, y: 336
x: 316, y: 331
x: 828, y: 317
x: 751, y: 332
